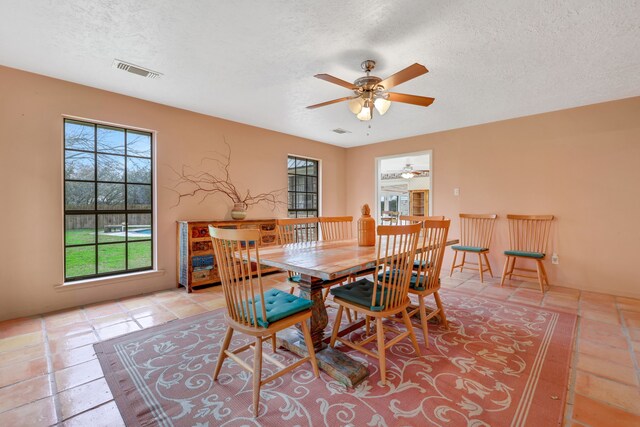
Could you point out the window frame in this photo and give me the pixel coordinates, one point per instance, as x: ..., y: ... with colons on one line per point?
x: 295, y: 192
x: 96, y: 212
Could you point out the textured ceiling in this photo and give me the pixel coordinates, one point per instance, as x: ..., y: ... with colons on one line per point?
x: 254, y: 61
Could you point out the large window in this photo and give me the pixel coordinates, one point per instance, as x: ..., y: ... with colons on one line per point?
x: 303, y: 189
x: 108, y: 190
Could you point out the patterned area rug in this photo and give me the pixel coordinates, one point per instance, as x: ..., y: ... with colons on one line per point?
x: 500, y: 364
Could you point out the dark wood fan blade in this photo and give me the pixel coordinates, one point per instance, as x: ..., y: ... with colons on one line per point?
x: 346, y: 98
x: 335, y: 80
x: 411, y: 72
x: 422, y: 101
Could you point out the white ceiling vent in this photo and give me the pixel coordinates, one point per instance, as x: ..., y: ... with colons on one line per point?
x: 135, y: 69
x: 341, y: 131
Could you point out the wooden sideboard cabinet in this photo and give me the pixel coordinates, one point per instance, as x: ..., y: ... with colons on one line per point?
x: 196, y: 260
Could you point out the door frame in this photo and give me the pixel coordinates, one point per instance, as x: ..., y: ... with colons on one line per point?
x: 394, y: 156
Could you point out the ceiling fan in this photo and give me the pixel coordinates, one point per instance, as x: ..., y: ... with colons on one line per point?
x: 372, y: 92
x: 409, y: 172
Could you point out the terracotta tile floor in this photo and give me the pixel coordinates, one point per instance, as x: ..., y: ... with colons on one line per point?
x: 49, y: 373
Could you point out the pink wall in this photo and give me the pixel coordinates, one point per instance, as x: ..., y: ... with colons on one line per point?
x: 31, y: 237
x: 581, y: 165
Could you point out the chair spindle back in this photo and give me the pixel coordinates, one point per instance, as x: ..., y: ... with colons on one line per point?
x: 476, y: 230
x: 433, y: 242
x: 396, y: 253
x: 529, y: 233
x: 297, y: 230
x: 233, y: 249
x: 336, y: 227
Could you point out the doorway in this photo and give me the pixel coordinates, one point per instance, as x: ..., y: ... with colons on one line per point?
x: 403, y: 186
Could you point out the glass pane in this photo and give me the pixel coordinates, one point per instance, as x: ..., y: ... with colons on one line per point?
x: 79, y: 195
x: 111, y: 258
x: 301, y: 166
x: 312, y: 201
x: 110, y: 140
x: 139, y: 226
x: 111, y: 228
x: 138, y: 144
x: 110, y: 168
x: 79, y: 165
x: 138, y: 170
x: 291, y: 164
x: 139, y: 254
x: 301, y: 183
x: 138, y: 196
x: 312, y: 184
x: 80, y: 261
x: 110, y: 196
x: 292, y: 182
x: 79, y: 229
x: 291, y: 201
x: 300, y: 201
x: 312, y: 168
x: 79, y: 136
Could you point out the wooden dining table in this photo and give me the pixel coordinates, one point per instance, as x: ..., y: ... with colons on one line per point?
x: 317, y: 262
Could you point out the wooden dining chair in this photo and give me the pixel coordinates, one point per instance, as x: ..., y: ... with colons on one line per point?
x: 528, y: 238
x: 252, y: 311
x: 336, y: 227
x: 425, y: 280
x: 389, y: 218
x: 476, y: 231
x: 296, y: 230
x: 417, y: 219
x: 384, y: 297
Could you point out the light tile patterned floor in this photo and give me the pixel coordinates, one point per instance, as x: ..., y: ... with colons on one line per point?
x: 49, y: 373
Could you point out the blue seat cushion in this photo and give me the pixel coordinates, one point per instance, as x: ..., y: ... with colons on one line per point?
x: 297, y: 278
x: 416, y: 282
x: 360, y: 292
x: 417, y: 263
x: 469, y: 248
x: 278, y: 305
x: 536, y: 255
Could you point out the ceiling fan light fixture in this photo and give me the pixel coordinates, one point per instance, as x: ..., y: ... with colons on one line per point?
x: 364, y: 114
x: 355, y: 105
x: 407, y: 175
x: 382, y: 105
x: 408, y: 172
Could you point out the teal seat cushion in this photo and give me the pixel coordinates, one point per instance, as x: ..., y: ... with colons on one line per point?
x: 418, y: 283
x: 278, y: 305
x: 469, y: 248
x: 295, y: 279
x: 360, y: 292
x: 536, y: 255
x: 417, y: 263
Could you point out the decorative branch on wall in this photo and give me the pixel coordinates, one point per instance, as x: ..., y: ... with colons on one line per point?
x: 213, y: 177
